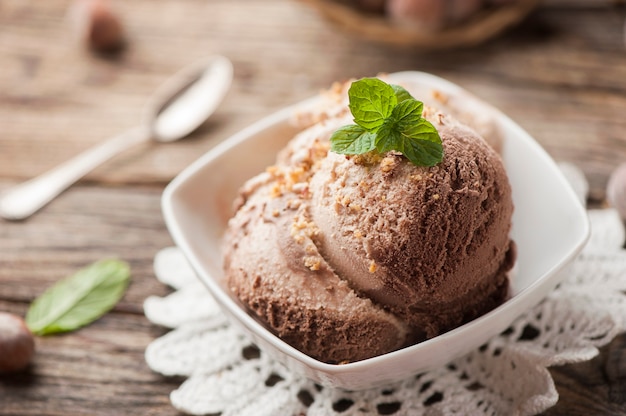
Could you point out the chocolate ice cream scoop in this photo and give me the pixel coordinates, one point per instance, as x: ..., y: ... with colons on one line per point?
x: 429, y: 244
x: 349, y: 257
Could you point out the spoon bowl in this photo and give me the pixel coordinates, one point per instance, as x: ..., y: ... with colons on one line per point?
x: 184, y: 102
x: 177, y: 108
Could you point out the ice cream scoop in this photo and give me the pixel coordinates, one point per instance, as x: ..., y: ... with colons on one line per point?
x: 348, y: 257
x: 430, y: 244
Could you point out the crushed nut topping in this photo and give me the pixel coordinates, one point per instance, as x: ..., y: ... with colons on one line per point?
x: 301, y: 229
x: 312, y: 263
x: 440, y: 96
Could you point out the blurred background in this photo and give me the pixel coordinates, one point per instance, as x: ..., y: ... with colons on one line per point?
x: 560, y: 72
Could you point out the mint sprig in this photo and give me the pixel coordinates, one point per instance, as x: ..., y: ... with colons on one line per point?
x: 387, y: 118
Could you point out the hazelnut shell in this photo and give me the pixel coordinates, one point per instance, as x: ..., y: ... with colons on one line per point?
x: 17, y: 344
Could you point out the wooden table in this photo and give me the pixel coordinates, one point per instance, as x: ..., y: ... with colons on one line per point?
x: 561, y: 75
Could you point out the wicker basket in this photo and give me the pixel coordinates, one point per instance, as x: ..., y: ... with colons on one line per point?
x: 480, y: 27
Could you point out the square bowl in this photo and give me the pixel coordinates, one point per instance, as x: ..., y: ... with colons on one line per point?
x: 550, y: 227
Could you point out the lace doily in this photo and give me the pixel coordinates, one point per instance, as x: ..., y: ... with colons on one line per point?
x: 228, y: 375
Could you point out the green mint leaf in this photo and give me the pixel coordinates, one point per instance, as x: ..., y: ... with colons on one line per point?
x: 389, y: 136
x: 79, y: 299
x: 387, y: 119
x: 352, y: 140
x: 371, y: 102
x: 401, y: 93
x: 408, y: 113
x: 403, y: 117
x: 407, y: 132
x: 423, y: 152
x: 423, y: 130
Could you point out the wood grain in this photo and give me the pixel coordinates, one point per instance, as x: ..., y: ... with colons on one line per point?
x: 561, y: 75
x: 100, y: 369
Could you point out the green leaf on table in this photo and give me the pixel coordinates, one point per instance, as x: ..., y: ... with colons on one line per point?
x: 79, y: 299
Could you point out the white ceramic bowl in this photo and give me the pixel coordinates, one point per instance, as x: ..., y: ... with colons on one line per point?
x: 550, y: 227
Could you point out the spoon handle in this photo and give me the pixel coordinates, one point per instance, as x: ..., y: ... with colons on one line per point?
x: 23, y: 200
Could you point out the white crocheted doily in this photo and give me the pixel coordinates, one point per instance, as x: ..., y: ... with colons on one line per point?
x: 228, y: 375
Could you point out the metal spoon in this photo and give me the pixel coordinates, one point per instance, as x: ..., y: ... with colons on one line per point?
x: 176, y: 109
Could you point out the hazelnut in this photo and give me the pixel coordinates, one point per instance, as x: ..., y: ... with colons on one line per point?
x: 97, y: 26
x: 17, y: 344
x: 616, y: 190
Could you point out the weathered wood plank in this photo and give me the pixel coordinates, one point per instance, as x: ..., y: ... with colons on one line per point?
x: 586, y: 390
x: 82, y: 226
x: 99, y: 369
